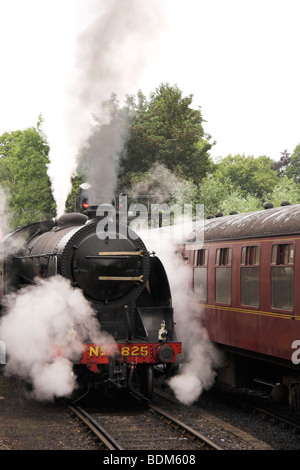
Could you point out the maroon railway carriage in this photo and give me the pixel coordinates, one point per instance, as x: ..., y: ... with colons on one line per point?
x: 245, y: 277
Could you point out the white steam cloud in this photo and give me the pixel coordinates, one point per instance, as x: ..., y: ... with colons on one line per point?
x: 201, y: 358
x: 44, y: 330
x: 111, y: 52
x: 162, y: 185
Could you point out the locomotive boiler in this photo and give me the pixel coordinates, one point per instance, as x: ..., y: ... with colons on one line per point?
x: 125, y: 284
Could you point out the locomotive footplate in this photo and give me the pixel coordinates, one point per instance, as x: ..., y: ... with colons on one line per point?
x: 130, y: 353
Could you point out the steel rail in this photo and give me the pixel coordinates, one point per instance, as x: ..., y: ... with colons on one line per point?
x: 96, y: 428
x: 191, y: 433
x: 276, y: 416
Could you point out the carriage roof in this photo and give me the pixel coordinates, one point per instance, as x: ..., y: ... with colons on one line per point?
x: 284, y: 220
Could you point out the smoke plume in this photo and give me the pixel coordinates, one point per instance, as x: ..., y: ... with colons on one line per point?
x: 44, y: 330
x: 159, y: 181
x: 161, y: 185
x: 99, y: 159
x: 111, y: 53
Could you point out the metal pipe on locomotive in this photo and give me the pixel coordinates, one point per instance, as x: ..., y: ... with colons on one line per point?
x: 127, y: 287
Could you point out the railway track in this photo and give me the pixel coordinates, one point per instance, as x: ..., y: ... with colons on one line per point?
x: 195, y: 436
x: 275, y: 416
x: 145, y: 427
x: 164, y: 424
x: 229, y: 437
x: 258, y: 403
x: 106, y: 441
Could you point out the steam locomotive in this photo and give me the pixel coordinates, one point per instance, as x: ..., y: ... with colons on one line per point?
x: 125, y: 284
x: 245, y: 270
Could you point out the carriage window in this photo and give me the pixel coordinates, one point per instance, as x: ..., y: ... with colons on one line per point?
x: 200, y: 257
x: 223, y: 275
x: 200, y: 275
x: 282, y: 254
x: 250, y: 275
x: 282, y: 276
x: 250, y: 255
x: 223, y: 256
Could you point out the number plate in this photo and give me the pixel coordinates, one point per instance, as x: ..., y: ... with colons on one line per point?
x: 140, y: 353
x: 141, y: 350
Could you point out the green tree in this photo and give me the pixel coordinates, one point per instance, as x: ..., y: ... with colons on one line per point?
x: 252, y: 175
x: 166, y: 130
x: 23, y: 176
x: 236, y: 201
x: 283, y: 164
x: 212, y: 191
x: 293, y: 170
x: 222, y: 195
x: 73, y: 199
x: 285, y: 190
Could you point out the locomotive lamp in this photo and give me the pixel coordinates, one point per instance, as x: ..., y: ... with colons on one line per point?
x: 165, y: 353
x: 162, y: 332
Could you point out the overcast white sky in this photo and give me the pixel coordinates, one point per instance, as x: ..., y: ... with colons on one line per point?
x: 239, y: 58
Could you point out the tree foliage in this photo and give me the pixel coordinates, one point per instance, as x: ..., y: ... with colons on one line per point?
x: 23, y: 176
x: 159, y: 144
x: 293, y: 169
x: 282, y: 165
x: 252, y: 175
x: 222, y: 195
x: 167, y: 130
x: 284, y: 190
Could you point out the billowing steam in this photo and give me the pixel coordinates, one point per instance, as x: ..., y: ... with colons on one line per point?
x: 159, y: 181
x: 110, y: 55
x: 99, y: 160
x: 44, y: 330
x: 161, y: 185
x: 201, y: 358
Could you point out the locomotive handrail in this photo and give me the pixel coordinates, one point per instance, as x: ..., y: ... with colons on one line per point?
x: 121, y: 253
x: 119, y: 278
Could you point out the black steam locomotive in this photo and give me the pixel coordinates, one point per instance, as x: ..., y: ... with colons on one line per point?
x: 126, y: 286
